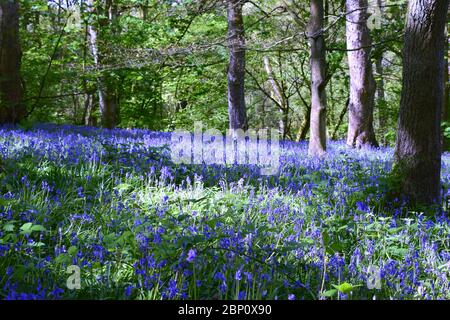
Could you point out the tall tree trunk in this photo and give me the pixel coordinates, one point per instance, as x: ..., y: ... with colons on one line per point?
x: 362, y: 83
x: 446, y: 103
x: 381, y: 99
x: 318, y: 134
x: 236, y: 68
x: 106, y: 92
x: 380, y: 94
x: 279, y: 96
x: 12, y: 108
x: 88, y: 99
x: 418, y: 147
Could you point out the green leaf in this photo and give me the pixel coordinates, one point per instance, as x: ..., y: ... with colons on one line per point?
x: 397, y: 251
x: 72, y: 251
x: 123, y: 187
x: 9, y: 227
x: 127, y: 237
x: 330, y: 293
x: 37, y: 244
x: 110, y: 240
x: 63, y: 258
x: 38, y: 228
x: 326, y: 238
x: 26, y: 226
x: 20, y: 271
x: 96, y: 265
x: 345, y: 287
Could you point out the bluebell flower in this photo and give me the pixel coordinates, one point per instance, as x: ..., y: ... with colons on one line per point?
x: 238, y: 275
x: 191, y: 255
x: 128, y: 290
x: 56, y: 293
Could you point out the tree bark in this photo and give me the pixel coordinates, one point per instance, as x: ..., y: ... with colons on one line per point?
x: 306, y: 121
x: 418, y: 147
x: 340, y: 120
x: 446, y: 103
x: 106, y: 92
x: 278, y: 96
x: 318, y: 135
x: 305, y: 125
x: 381, y: 99
x: 380, y: 93
x: 362, y: 82
x: 236, y: 68
x: 12, y: 108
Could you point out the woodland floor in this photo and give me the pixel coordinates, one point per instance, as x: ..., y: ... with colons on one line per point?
x: 140, y: 227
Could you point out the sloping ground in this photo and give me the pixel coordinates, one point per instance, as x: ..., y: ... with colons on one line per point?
x: 141, y: 227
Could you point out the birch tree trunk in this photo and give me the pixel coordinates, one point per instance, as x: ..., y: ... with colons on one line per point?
x: 418, y: 147
x: 362, y: 83
x: 236, y: 68
x: 318, y: 121
x: 12, y: 108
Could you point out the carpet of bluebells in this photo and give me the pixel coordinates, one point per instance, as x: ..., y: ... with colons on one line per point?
x: 141, y: 227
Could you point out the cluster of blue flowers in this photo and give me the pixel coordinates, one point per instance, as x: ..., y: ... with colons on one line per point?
x: 141, y: 227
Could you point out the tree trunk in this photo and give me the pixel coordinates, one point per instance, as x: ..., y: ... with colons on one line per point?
x: 418, y: 147
x: 236, y: 68
x: 340, y: 120
x: 446, y: 103
x: 380, y: 94
x: 279, y: 96
x: 12, y: 108
x: 107, y: 96
x: 318, y: 134
x: 381, y: 97
x: 305, y: 125
x: 362, y: 83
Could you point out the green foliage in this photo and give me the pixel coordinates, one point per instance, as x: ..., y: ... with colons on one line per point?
x: 446, y: 129
x: 167, y: 63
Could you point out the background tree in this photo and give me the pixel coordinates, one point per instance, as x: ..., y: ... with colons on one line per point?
x: 318, y: 136
x: 379, y: 68
x: 278, y: 96
x: 104, y: 15
x: 236, y: 68
x: 166, y: 63
x: 12, y: 107
x: 418, y: 147
x: 362, y: 83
